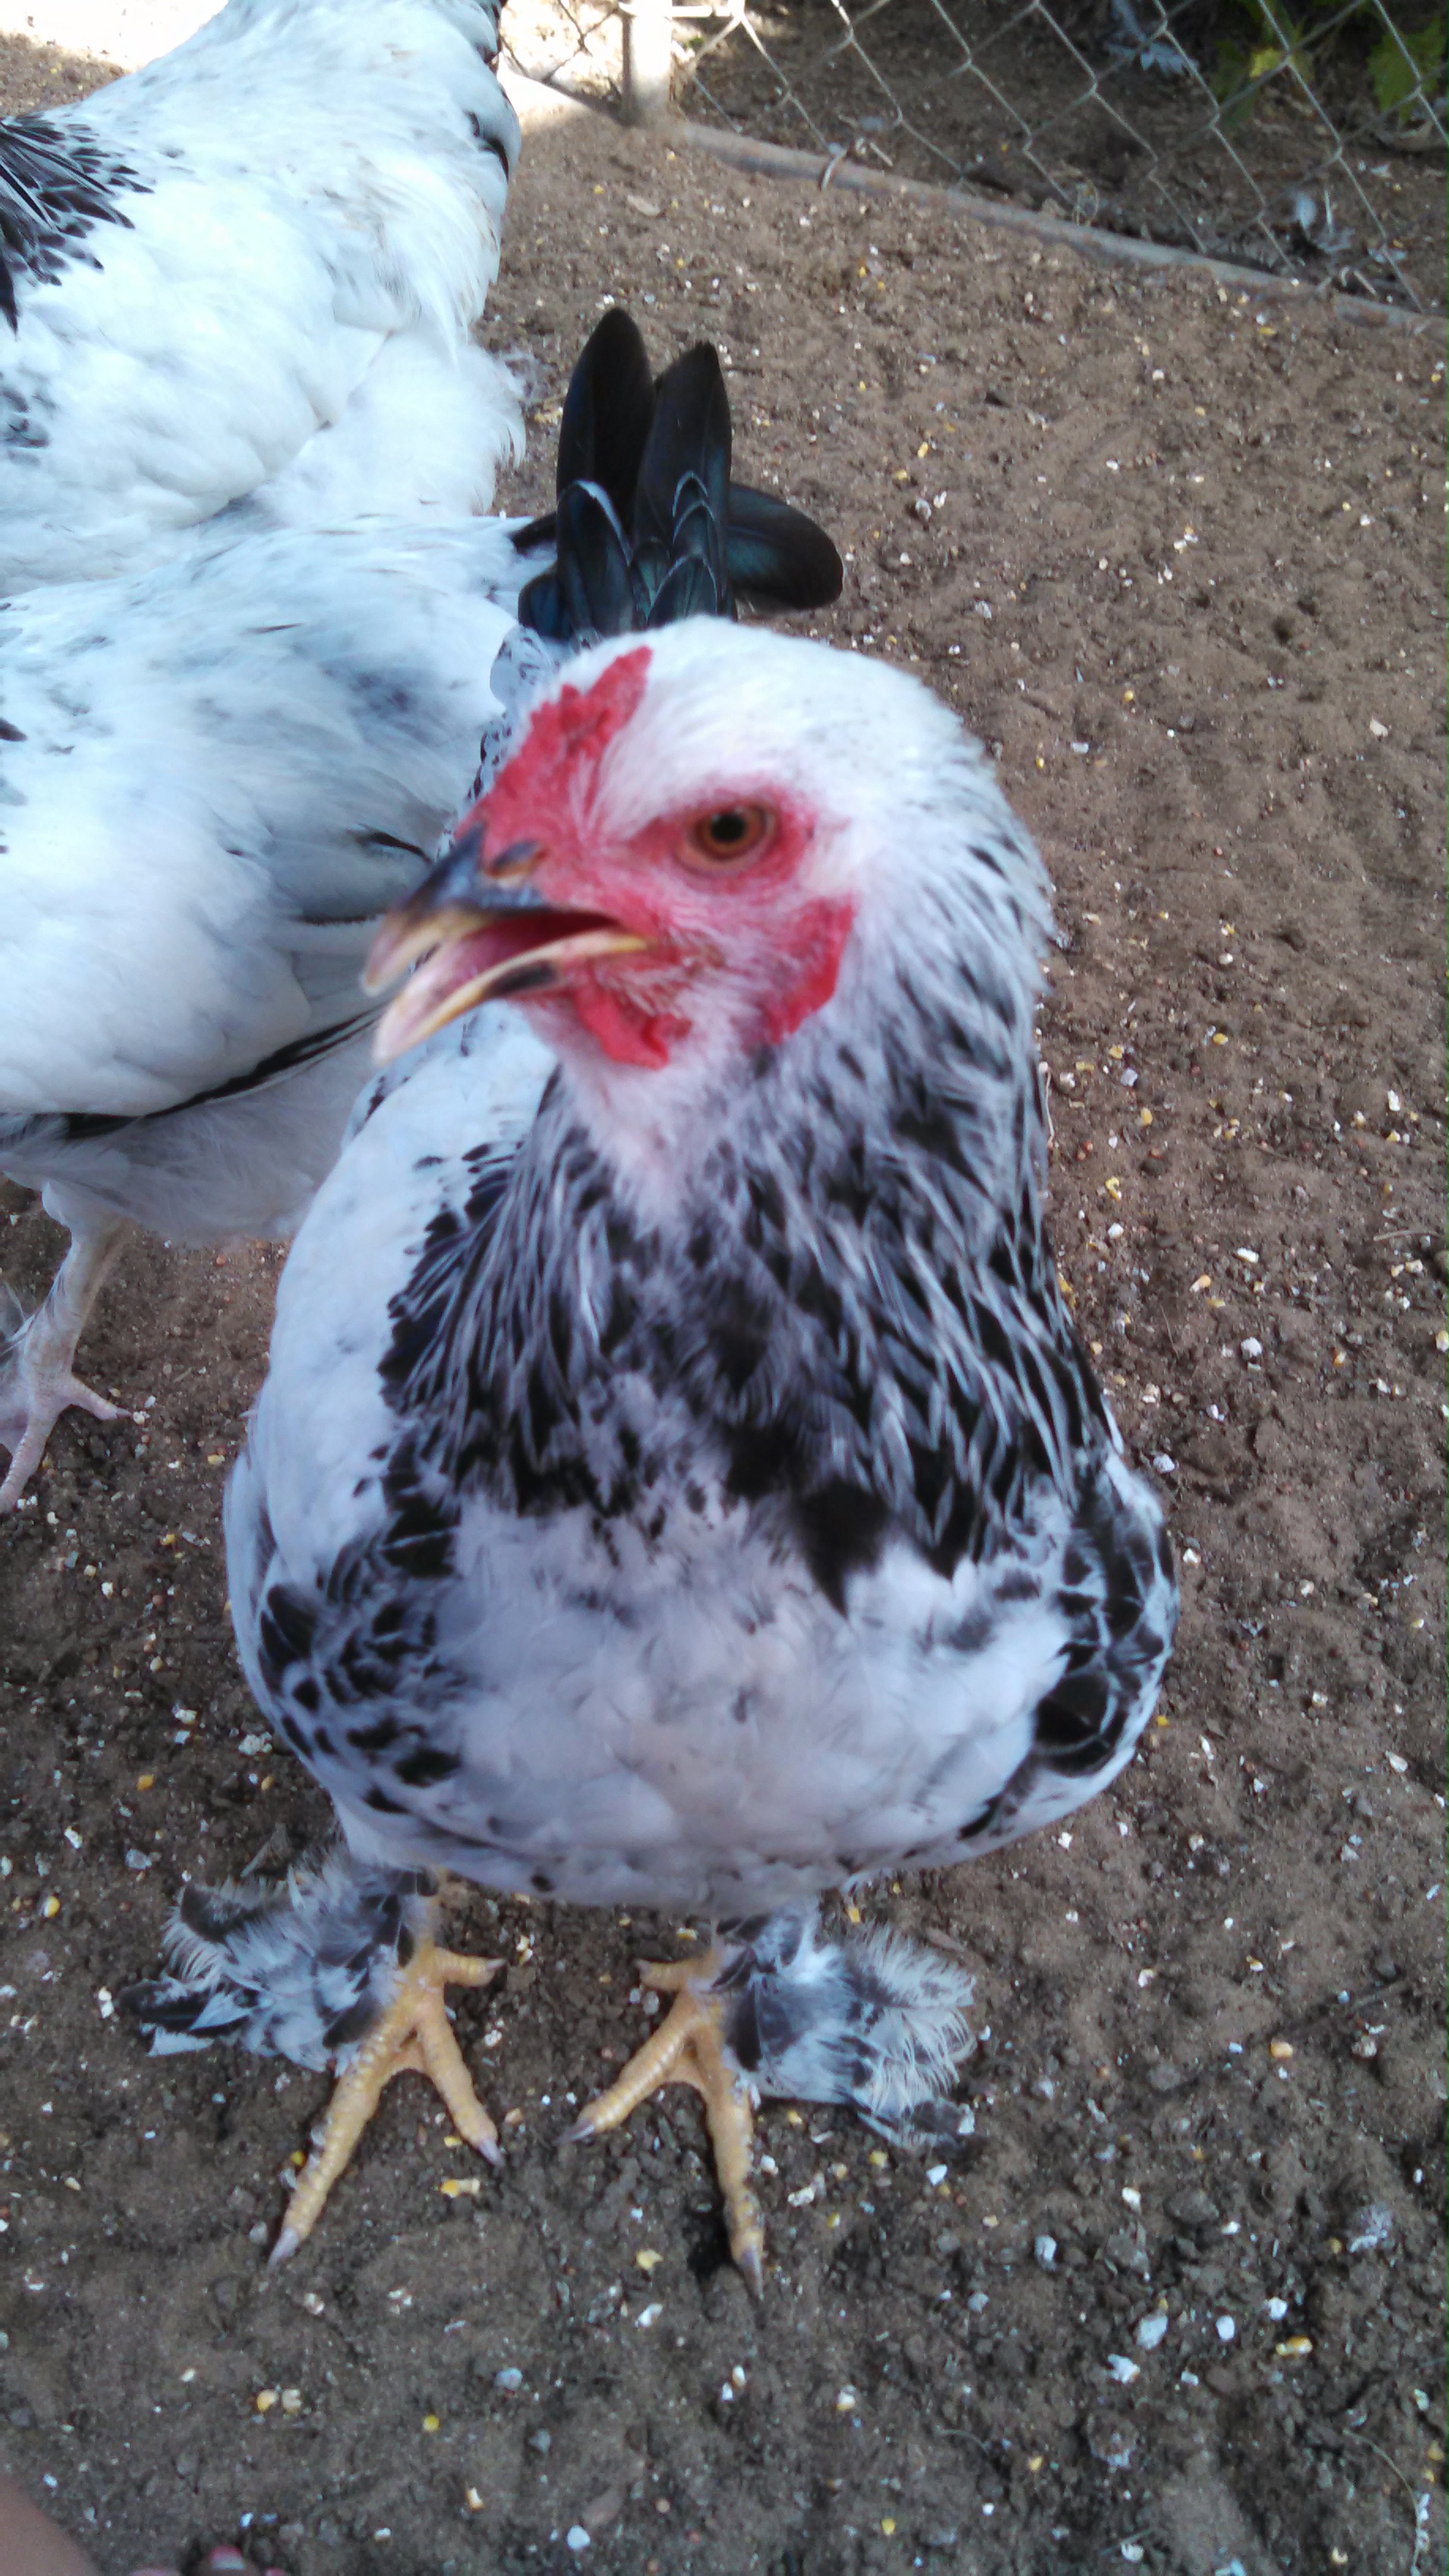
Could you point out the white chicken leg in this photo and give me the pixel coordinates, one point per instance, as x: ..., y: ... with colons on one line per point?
x: 37, y: 1380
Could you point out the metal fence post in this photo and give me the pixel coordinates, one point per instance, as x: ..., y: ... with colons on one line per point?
x: 648, y: 34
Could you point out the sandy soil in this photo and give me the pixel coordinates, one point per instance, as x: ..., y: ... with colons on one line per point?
x: 1180, y: 562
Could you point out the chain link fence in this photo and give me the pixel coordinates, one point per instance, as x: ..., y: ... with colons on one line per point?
x: 1309, y: 145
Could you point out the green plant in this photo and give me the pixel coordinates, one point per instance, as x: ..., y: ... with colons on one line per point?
x: 1404, y: 66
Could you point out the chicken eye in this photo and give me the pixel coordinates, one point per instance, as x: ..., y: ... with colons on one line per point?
x: 731, y: 833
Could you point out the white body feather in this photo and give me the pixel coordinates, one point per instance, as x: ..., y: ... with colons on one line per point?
x: 193, y: 864
x: 282, y: 300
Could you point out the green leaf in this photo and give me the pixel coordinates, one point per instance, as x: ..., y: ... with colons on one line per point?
x: 1230, y: 86
x: 1404, y: 67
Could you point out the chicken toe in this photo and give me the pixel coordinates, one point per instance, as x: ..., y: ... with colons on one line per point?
x: 690, y: 2047
x: 37, y: 1380
x: 411, y: 2037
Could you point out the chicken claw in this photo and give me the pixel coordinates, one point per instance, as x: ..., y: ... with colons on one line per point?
x: 689, y: 2048
x: 413, y: 2037
x: 37, y: 1381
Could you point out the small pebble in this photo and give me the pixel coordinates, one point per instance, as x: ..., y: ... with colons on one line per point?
x: 1226, y: 2329
x: 508, y: 2381
x: 1122, y: 2369
x: 1045, y: 2250
x: 1151, y: 2332
x: 576, y: 2538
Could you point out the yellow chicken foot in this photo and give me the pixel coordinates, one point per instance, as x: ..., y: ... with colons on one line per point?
x: 413, y: 2037
x: 688, y: 2048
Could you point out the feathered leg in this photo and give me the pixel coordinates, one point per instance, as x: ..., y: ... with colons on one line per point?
x: 776, y: 2009
x: 338, y: 1966
x: 37, y: 1381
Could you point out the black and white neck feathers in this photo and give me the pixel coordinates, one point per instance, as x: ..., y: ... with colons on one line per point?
x: 840, y: 1295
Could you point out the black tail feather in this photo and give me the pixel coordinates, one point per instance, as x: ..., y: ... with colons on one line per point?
x: 648, y: 526
x: 689, y: 589
x: 777, y: 555
x: 689, y: 437
x: 607, y: 412
x: 589, y: 590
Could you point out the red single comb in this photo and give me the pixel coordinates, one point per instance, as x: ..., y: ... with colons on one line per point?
x: 559, y: 756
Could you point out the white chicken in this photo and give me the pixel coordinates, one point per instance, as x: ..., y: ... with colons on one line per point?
x: 679, y: 1482
x: 216, y: 775
x: 249, y: 272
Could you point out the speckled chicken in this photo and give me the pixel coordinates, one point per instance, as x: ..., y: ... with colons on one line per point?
x: 679, y: 1483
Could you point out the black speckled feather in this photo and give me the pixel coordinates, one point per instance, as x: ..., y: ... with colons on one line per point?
x: 57, y: 184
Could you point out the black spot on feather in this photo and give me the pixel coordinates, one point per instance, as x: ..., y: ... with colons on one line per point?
x: 285, y: 1632
x: 382, y: 1804
x: 421, y: 1769
x: 1019, y: 1585
x: 840, y: 1529
x: 979, y: 1824
x: 352, y: 2023
x: 1069, y: 1721
x: 375, y: 1739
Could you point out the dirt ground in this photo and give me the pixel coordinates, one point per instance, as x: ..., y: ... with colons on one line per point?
x: 1178, y: 2303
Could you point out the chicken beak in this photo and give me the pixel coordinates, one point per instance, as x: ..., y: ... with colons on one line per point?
x: 470, y: 942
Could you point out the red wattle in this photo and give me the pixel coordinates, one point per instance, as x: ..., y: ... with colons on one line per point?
x: 818, y: 937
x: 625, y: 1034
